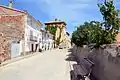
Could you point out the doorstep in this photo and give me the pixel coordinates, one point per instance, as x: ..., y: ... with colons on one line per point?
x: 17, y: 59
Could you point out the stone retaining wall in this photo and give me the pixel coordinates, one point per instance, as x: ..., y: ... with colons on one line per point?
x: 106, y: 59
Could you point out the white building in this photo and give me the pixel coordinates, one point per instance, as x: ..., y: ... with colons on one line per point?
x: 33, y: 34
x: 21, y: 32
x: 47, y: 40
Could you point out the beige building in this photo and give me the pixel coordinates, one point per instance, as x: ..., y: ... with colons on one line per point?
x: 118, y: 38
x: 60, y: 33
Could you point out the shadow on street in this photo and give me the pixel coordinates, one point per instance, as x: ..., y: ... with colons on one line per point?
x: 70, y: 56
x: 85, y: 66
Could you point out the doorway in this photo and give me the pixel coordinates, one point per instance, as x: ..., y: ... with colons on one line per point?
x: 15, y: 49
x: 32, y: 47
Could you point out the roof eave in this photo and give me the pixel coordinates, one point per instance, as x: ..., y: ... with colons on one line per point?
x: 13, y: 9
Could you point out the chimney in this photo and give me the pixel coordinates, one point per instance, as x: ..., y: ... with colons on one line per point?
x: 10, y: 5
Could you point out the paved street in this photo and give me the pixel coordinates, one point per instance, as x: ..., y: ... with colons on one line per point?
x: 50, y: 65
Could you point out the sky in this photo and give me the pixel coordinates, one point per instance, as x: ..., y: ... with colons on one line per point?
x: 73, y: 12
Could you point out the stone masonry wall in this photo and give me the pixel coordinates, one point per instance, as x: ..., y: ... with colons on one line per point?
x: 106, y: 59
x: 11, y: 28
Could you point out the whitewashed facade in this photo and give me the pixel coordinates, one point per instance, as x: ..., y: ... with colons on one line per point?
x: 33, y: 34
x: 47, y: 40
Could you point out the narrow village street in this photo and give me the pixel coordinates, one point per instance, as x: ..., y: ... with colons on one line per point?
x: 59, y: 39
x: 49, y: 65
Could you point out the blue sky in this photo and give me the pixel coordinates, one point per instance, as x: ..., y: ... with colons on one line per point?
x: 74, y: 12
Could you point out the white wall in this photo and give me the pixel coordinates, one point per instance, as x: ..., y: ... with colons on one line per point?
x: 31, y: 29
x: 47, y: 40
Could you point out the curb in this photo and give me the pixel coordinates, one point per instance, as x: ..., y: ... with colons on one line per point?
x: 17, y: 59
x: 71, y: 63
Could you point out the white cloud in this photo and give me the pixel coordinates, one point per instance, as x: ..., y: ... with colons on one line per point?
x: 69, y: 10
x: 72, y: 11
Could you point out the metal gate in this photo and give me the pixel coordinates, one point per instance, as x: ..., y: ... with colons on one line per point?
x: 15, y: 49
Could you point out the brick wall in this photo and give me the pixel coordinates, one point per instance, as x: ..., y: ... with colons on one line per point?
x: 11, y: 27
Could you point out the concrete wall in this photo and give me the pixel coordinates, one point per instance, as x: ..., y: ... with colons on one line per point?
x: 106, y: 59
x: 11, y: 28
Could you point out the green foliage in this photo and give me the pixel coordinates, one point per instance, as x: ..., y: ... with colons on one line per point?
x: 110, y: 16
x: 97, y: 32
x: 87, y: 34
x: 111, y: 21
x: 78, y: 36
x: 52, y: 30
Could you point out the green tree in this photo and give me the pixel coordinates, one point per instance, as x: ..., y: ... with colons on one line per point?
x: 96, y: 32
x: 78, y: 36
x: 52, y: 30
x: 111, y: 20
x: 87, y: 33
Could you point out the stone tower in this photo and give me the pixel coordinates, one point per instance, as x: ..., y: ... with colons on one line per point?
x: 59, y: 24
